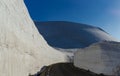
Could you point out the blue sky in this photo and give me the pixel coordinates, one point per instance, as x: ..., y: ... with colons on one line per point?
x: 101, y: 13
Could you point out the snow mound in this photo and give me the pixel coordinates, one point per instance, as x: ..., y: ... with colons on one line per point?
x: 22, y: 49
x: 70, y: 35
x: 102, y: 57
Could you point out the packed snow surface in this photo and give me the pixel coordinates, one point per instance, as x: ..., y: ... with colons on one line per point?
x: 70, y: 35
x: 22, y: 49
x: 102, y: 57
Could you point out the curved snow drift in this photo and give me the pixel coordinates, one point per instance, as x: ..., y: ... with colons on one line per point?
x: 102, y: 57
x: 68, y: 35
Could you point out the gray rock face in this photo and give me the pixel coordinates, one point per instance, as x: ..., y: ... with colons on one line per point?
x: 22, y: 49
x: 70, y: 35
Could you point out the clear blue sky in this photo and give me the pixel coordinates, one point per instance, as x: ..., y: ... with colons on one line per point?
x: 101, y: 13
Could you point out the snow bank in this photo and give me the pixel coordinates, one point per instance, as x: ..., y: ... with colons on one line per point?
x: 22, y: 49
x: 103, y: 57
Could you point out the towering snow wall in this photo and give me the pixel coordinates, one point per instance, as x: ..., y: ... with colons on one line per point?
x: 22, y: 49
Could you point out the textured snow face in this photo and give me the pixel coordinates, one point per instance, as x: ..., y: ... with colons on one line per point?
x: 103, y: 57
x: 70, y: 35
x: 22, y: 49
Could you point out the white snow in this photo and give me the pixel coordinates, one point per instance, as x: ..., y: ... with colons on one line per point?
x: 22, y: 49
x: 103, y: 57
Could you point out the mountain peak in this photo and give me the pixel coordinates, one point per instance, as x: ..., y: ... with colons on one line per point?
x: 64, y: 34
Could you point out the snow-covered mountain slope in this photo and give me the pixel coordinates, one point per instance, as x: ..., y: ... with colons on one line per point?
x: 70, y: 35
x: 102, y: 57
x: 22, y: 49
